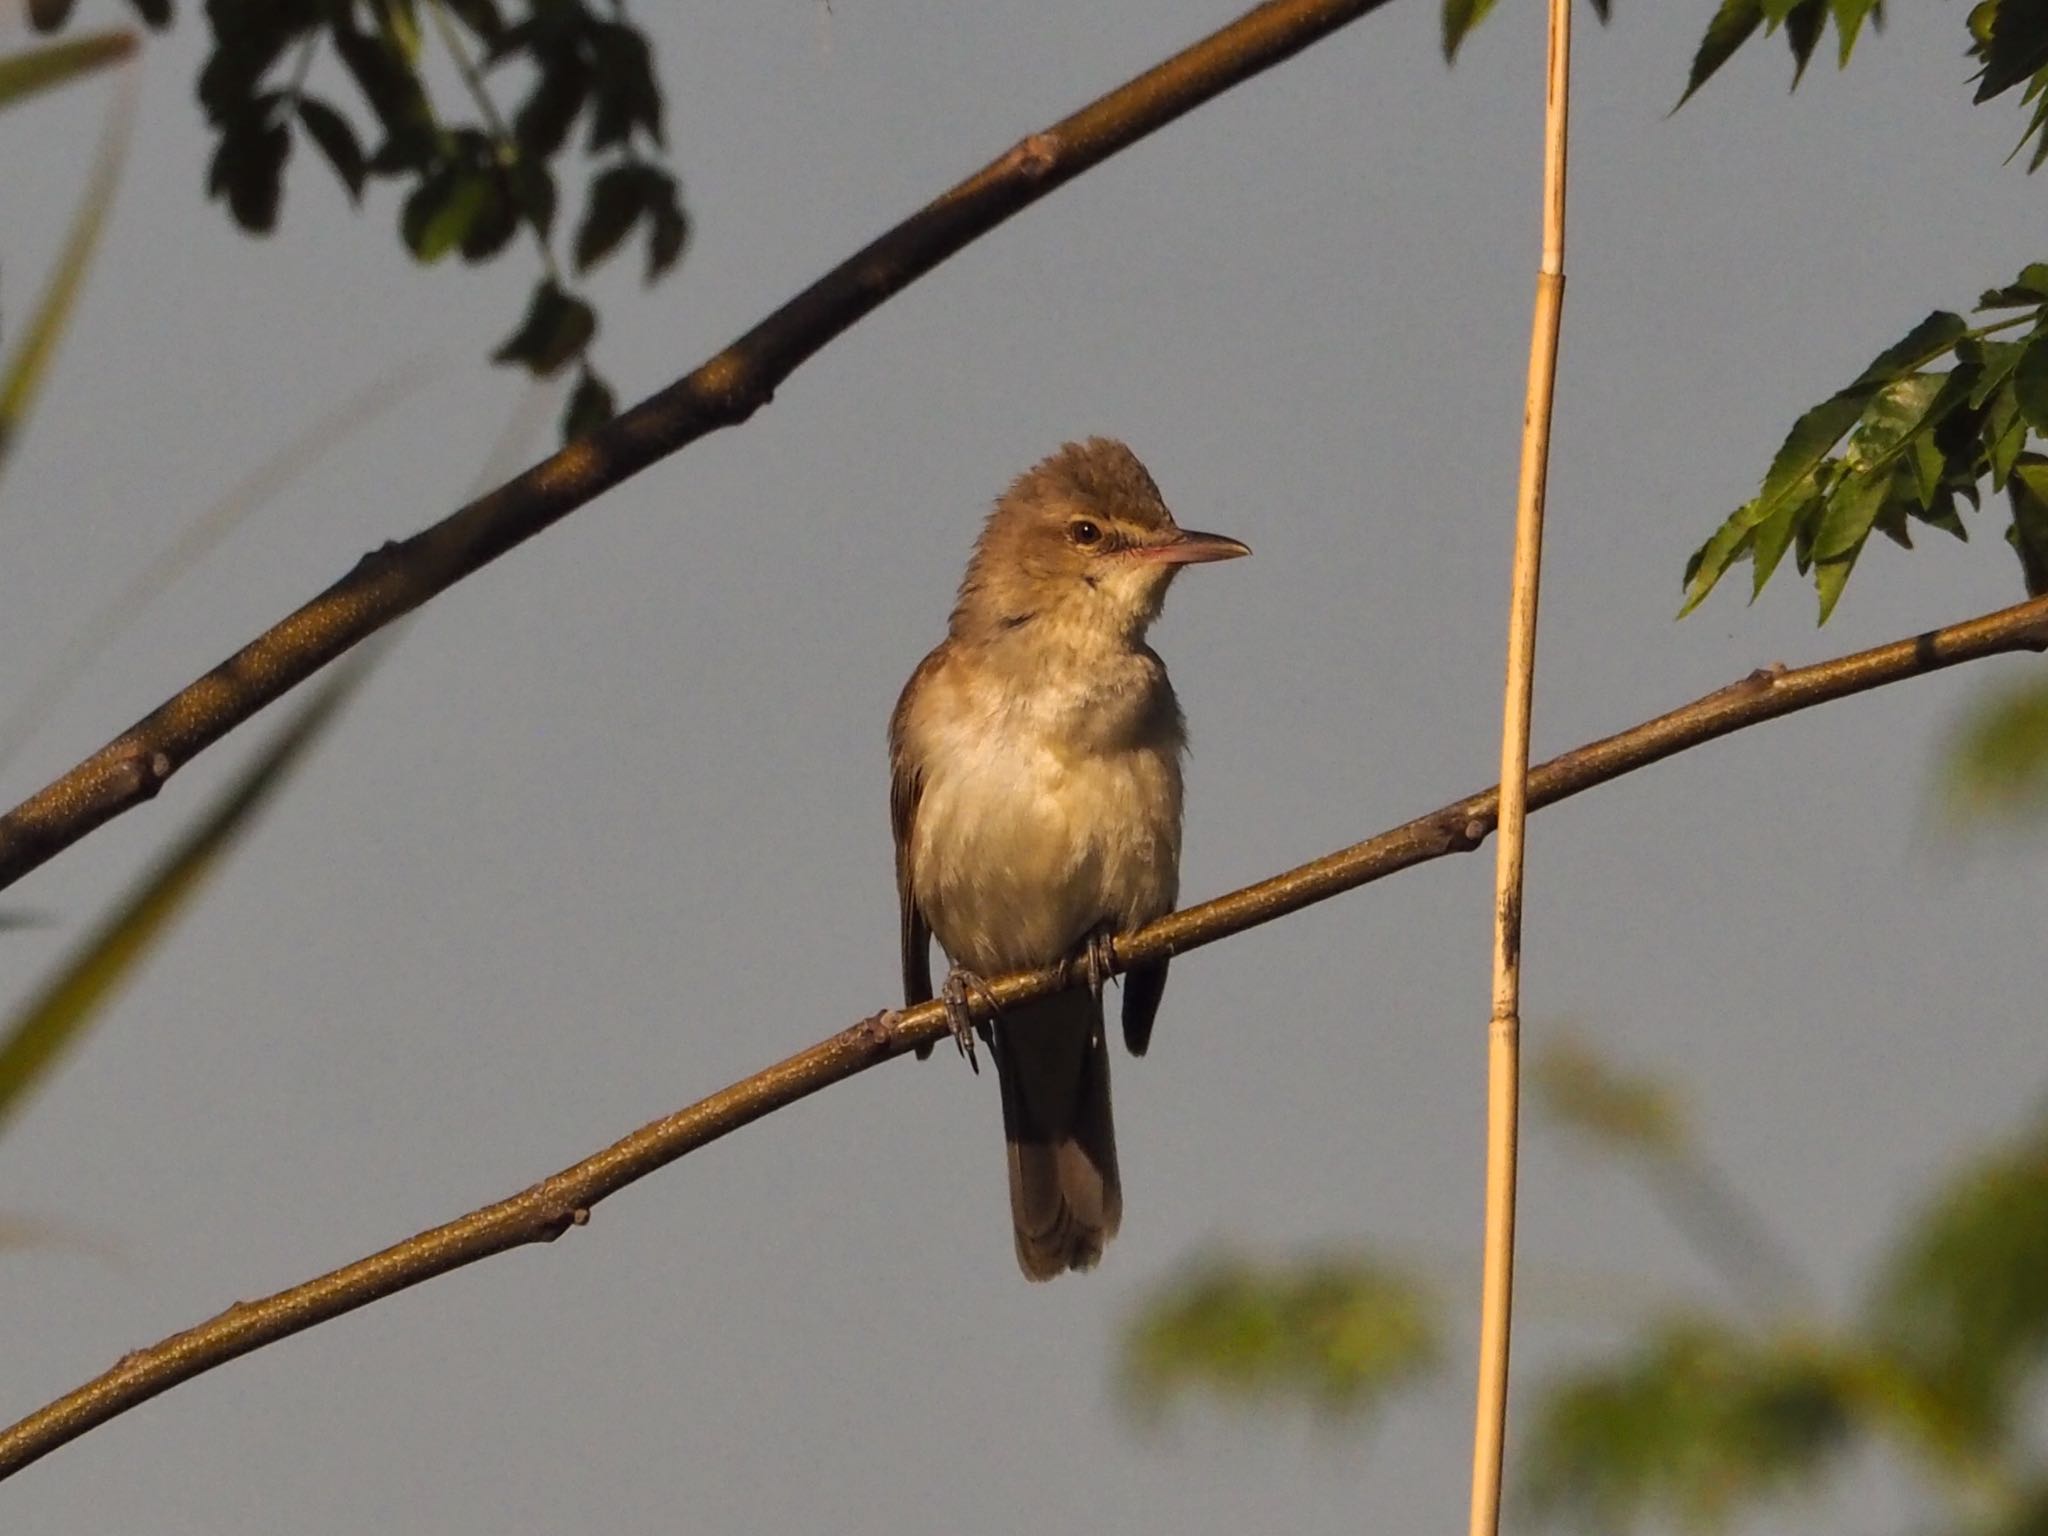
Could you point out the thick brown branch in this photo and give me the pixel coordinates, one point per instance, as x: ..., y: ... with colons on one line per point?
x: 722, y: 392
x: 543, y: 1212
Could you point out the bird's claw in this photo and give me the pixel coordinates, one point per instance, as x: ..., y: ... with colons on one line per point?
x: 961, y: 988
x: 1097, y: 961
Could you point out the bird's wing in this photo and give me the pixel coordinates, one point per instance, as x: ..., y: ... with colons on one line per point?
x: 906, y: 789
x: 1144, y: 985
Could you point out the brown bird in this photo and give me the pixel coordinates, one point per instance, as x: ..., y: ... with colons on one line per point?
x: 1036, y: 796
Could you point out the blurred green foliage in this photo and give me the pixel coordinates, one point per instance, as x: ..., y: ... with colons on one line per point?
x: 1340, y: 1332
x: 1695, y: 1420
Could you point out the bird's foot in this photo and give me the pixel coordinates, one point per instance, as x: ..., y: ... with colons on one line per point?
x: 1096, y: 960
x: 961, y: 988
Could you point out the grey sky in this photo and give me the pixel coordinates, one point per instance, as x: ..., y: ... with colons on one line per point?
x: 610, y: 828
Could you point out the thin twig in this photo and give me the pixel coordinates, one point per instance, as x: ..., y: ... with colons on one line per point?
x: 722, y: 392
x: 549, y: 1208
x: 1504, y: 1032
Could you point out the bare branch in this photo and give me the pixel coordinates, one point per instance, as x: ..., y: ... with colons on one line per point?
x: 545, y: 1211
x: 722, y: 392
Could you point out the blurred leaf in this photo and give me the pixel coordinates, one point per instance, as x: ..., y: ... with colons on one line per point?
x: 617, y: 198
x: 1460, y: 17
x: 1997, y: 762
x: 591, y: 405
x: 1340, y: 1333
x: 1579, y: 1089
x: 1692, y: 1425
x: 23, y: 74
x: 337, y: 141
x: 248, y: 168
x: 93, y: 973
x: 1965, y: 1299
x: 558, y: 327
x: 49, y: 15
x: 2012, y: 40
x: 29, y: 368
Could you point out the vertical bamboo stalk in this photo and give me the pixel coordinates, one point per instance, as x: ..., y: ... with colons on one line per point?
x: 1503, y: 1067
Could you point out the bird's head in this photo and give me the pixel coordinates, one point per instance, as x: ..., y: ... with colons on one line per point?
x: 1082, y: 544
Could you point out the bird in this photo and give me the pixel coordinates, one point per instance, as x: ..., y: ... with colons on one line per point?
x: 1035, y: 798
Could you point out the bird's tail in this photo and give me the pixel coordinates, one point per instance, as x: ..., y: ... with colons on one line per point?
x: 1065, y: 1198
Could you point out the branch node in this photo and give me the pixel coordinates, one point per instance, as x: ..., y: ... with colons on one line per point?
x: 1472, y: 834
x: 1031, y: 158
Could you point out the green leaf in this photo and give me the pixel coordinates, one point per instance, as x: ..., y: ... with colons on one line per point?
x: 557, y: 328
x: 2030, y: 384
x: 1962, y: 1300
x: 1851, y: 509
x: 1460, y: 17
x: 1995, y: 361
x: 248, y: 167
x: 1997, y: 764
x: 22, y: 380
x: 591, y: 405
x: 1688, y: 1430
x: 1774, y: 535
x: 61, y: 1010
x: 1803, y: 27
x: 1712, y: 559
x: 438, y: 216
x: 337, y: 141
x: 2005, y: 434
x: 668, y: 228
x: 625, y: 93
x: 1582, y: 1091
x: 49, y: 15
x: 617, y: 198
x: 24, y: 74
x: 393, y: 91
x: 2031, y: 289
x: 2027, y: 494
x: 1829, y: 578
x: 1849, y: 18
x: 1340, y: 1333
x: 1729, y: 30
x: 543, y: 120
x: 2012, y: 40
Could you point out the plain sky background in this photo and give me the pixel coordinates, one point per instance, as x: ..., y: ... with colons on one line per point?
x: 609, y: 828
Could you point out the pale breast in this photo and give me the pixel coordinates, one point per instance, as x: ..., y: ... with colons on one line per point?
x: 1043, y: 815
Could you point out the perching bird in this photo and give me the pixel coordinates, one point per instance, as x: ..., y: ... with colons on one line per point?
x: 1035, y: 792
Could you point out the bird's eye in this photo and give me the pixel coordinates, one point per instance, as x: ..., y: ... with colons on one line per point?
x: 1083, y: 532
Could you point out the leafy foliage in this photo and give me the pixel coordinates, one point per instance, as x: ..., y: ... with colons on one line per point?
x: 1906, y: 442
x: 1339, y: 1332
x: 1461, y: 16
x: 1694, y: 1422
x: 1998, y: 764
x: 1964, y: 1302
x: 470, y: 180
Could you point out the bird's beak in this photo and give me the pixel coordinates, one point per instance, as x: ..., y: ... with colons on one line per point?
x: 1192, y: 548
